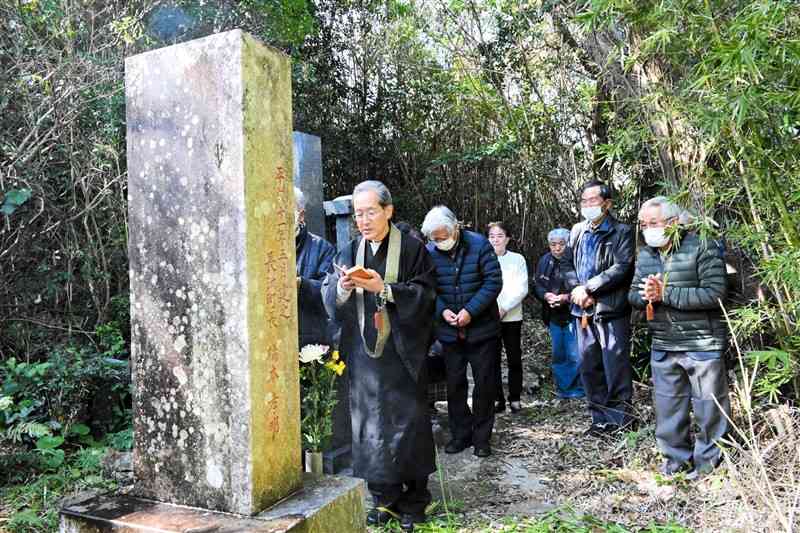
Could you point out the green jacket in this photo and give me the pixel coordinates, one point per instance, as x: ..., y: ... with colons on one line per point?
x: 690, y: 317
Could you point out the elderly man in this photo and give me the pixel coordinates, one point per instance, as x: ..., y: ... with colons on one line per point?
x: 552, y: 292
x: 680, y: 282
x: 314, y: 261
x: 467, y: 325
x: 598, y: 274
x: 386, y: 313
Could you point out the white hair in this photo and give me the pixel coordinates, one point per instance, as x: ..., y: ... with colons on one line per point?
x: 558, y: 234
x: 437, y: 218
x: 669, y: 209
x: 299, y: 199
x: 384, y: 196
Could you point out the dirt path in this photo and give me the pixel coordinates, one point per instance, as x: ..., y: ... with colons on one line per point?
x: 542, y: 461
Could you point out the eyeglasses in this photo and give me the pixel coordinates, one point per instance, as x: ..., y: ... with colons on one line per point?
x: 369, y: 214
x: 645, y: 225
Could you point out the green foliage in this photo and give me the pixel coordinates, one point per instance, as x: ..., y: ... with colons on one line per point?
x: 567, y: 521
x: 641, y: 340
x: 714, y: 111
x: 31, y: 497
x: 773, y: 369
x: 46, y: 403
x: 318, y: 396
x: 13, y: 199
x: 121, y: 440
x: 291, y: 21
x: 558, y: 521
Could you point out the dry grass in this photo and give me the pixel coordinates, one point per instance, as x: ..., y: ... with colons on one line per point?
x: 615, y: 479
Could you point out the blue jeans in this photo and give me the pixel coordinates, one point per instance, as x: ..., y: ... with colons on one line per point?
x: 566, y: 360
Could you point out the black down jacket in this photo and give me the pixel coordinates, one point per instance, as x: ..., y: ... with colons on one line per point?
x: 314, y: 262
x: 614, y: 265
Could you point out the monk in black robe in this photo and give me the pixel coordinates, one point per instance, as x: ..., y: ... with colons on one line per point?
x: 386, y: 325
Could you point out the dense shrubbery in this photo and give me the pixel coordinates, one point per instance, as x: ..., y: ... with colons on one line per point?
x: 58, y: 417
x: 32, y: 494
x: 499, y: 109
x: 77, y: 392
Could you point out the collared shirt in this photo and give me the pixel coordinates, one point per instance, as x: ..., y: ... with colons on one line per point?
x: 586, y: 264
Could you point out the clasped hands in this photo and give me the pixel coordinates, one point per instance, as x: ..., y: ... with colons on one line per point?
x: 460, y: 320
x: 581, y: 297
x: 373, y: 284
x: 651, y: 288
x: 554, y: 300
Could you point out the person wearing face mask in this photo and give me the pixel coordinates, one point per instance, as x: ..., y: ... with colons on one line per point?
x: 469, y: 280
x: 680, y: 281
x: 552, y: 292
x: 598, y: 274
x: 509, y: 305
x: 314, y: 260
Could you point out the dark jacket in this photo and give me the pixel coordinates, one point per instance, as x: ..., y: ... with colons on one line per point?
x: 614, y: 267
x: 548, y: 279
x: 690, y: 317
x: 470, y: 280
x: 314, y: 262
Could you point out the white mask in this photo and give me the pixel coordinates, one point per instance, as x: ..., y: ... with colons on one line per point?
x: 592, y: 213
x: 446, y: 245
x: 655, y: 237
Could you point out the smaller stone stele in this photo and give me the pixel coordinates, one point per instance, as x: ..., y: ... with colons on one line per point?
x: 307, y: 176
x: 329, y: 504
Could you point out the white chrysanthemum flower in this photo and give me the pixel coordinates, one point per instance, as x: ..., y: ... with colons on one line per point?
x: 312, y: 352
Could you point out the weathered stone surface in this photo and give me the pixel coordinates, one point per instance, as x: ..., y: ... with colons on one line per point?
x: 125, y: 513
x: 213, y: 310
x: 342, y: 208
x: 328, y: 504
x: 307, y: 176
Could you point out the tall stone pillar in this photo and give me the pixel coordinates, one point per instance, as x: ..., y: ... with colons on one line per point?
x: 213, y: 303
x: 213, y: 300
x: 308, y: 178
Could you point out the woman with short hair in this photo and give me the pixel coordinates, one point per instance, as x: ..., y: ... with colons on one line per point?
x: 555, y: 298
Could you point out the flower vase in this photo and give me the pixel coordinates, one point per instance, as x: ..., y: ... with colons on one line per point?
x: 314, y: 462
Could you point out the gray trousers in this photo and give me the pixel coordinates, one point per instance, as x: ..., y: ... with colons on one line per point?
x: 680, y: 378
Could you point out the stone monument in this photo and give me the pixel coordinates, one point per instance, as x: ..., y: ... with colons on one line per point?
x: 213, y: 302
x: 341, y: 207
x: 307, y: 176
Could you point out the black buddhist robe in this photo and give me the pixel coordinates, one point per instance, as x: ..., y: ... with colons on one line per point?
x: 392, y: 437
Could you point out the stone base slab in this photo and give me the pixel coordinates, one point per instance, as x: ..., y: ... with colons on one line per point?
x: 328, y: 504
